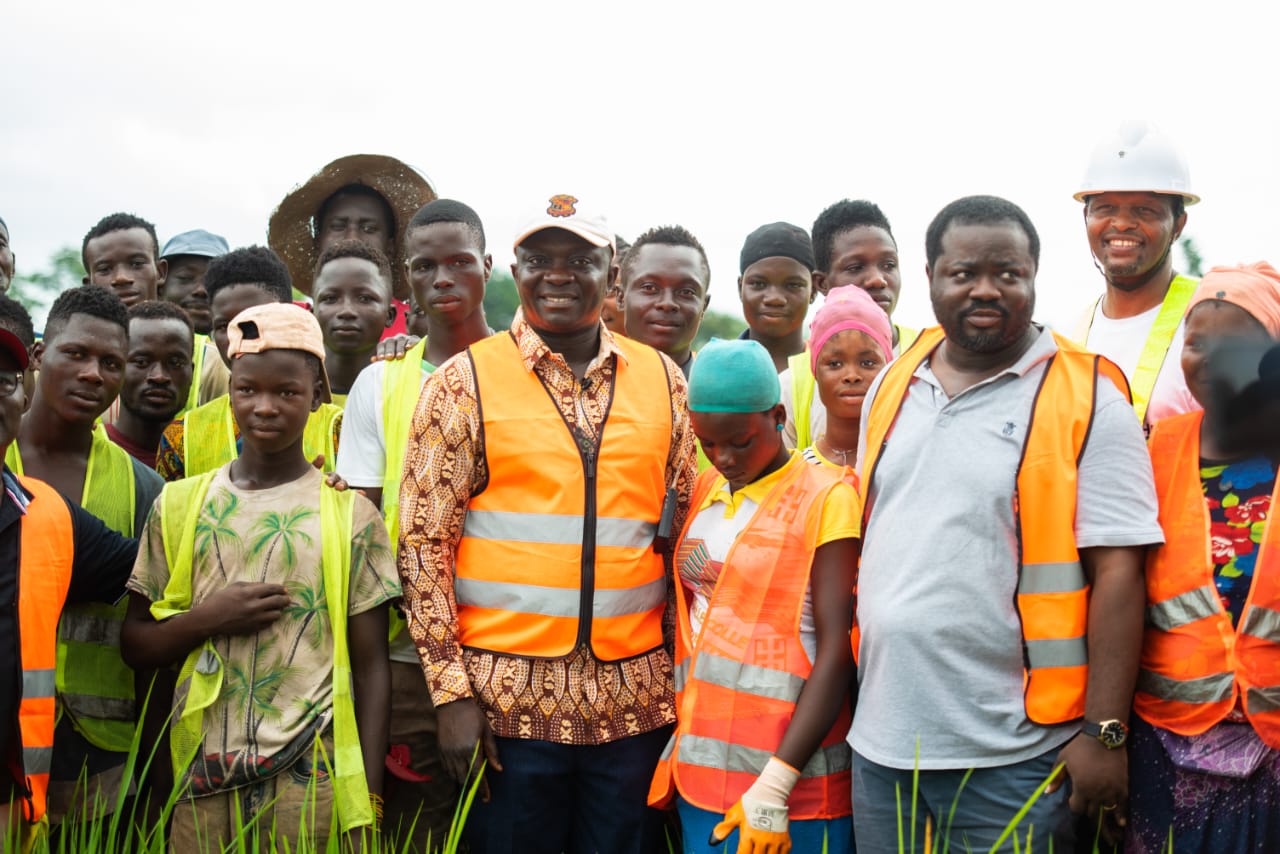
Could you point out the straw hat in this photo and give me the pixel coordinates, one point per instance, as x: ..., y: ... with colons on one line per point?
x: 290, y: 230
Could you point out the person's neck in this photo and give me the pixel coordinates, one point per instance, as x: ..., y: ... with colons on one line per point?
x: 577, y: 348
x: 44, y: 431
x: 841, y: 437
x: 143, y: 432
x: 444, y: 341
x: 1134, y: 296
x: 343, y: 368
x: 962, y: 368
x: 782, y: 348
x: 680, y: 357
x: 254, y: 469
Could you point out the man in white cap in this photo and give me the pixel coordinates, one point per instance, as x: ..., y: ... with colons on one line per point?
x: 1135, y: 192
x: 547, y: 469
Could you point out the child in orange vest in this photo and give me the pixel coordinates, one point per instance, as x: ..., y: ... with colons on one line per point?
x: 763, y: 663
x: 1205, y: 748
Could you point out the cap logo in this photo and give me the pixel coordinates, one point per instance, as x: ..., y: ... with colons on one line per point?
x: 562, y: 205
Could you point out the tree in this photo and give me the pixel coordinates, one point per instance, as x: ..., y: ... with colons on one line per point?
x: 718, y: 324
x: 1195, y: 261
x: 37, y: 291
x: 500, y: 300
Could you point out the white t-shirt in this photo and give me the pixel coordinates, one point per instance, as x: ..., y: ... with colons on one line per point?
x: 1122, y: 339
x: 362, y: 457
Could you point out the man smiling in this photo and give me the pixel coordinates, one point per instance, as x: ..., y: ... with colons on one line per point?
x: 1135, y: 192
x: 534, y: 581
x: 664, y: 292
x: 122, y: 254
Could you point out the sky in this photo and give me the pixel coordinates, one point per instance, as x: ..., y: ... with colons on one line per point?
x: 719, y: 117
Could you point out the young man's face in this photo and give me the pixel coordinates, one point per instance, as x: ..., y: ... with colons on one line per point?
x: 982, y: 285
x: 125, y: 263
x: 272, y: 395
x: 82, y: 368
x: 184, y: 285
x: 775, y: 294
x: 12, y: 405
x: 664, y: 296
x: 352, y: 305
x: 158, y: 372
x: 447, y: 271
x: 866, y: 256
x: 352, y: 216
x: 6, y: 261
x: 562, y: 280
x: 229, y: 302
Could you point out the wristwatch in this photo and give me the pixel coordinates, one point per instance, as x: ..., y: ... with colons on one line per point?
x: 1110, y: 734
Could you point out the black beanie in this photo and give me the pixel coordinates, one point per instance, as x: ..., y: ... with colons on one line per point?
x: 777, y: 239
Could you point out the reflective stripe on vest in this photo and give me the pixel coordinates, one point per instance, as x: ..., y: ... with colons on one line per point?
x: 1159, y: 339
x: 44, y: 576
x: 523, y: 578
x: 1195, y: 665
x: 209, y: 436
x: 737, y: 683
x: 1053, y: 591
x: 181, y: 503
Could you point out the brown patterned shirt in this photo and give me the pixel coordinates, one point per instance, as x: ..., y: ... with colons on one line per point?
x: 574, y: 700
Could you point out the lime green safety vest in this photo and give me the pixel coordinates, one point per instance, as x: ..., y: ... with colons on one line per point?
x: 181, y: 503
x: 209, y: 436
x: 95, y: 686
x: 1159, y: 339
x: 197, y: 370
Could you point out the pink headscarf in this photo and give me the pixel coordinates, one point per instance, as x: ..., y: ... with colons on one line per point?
x: 849, y: 307
x: 1253, y: 287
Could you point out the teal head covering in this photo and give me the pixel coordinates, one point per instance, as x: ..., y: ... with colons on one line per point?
x: 733, y: 376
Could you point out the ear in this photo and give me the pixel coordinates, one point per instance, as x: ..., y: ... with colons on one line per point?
x: 706, y: 304
x: 813, y: 292
x: 85, y: 280
x: 162, y: 275
x: 391, y: 315
x: 779, y: 414
x: 1179, y: 224
x: 515, y: 274
x: 37, y: 355
x: 820, y: 282
x: 614, y: 271
x: 488, y: 267
x: 739, y: 290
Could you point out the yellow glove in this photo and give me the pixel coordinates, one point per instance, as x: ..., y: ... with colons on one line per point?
x: 760, y: 817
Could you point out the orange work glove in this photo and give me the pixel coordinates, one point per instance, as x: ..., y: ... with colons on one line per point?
x: 760, y: 817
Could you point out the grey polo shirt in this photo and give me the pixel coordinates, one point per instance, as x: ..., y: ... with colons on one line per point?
x: 941, y: 651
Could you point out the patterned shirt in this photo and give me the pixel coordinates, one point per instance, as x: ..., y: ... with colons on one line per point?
x: 577, y: 699
x: 1238, y: 496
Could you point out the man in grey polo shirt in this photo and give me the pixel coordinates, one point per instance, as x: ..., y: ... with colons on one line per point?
x: 1000, y: 593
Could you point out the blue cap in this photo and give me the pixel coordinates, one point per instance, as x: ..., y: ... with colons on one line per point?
x: 733, y: 376
x: 198, y: 242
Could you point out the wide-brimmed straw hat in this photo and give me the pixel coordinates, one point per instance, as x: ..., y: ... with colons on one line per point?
x: 290, y: 231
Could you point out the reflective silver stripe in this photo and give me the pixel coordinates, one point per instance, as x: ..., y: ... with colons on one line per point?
x: 1184, y: 608
x: 1262, y: 700
x: 1060, y: 652
x: 747, y: 678
x: 559, y: 601
x: 1051, y: 578
x: 90, y: 628
x: 99, y: 708
x: 37, y: 683
x: 680, y: 673
x: 1207, y: 689
x: 714, y: 753
x: 556, y: 529
x: 1261, y: 623
x: 37, y: 760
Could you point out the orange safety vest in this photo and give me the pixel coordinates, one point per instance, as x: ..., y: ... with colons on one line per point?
x: 1195, y: 665
x: 737, y: 683
x: 552, y: 554
x: 44, y: 576
x: 1053, y: 592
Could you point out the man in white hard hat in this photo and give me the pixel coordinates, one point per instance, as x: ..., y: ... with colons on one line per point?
x: 1135, y: 192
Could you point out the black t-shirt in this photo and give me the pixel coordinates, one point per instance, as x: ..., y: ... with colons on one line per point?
x: 100, y: 567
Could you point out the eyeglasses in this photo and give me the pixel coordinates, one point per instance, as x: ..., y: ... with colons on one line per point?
x: 10, y: 381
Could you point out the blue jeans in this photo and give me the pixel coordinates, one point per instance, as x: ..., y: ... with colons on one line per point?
x: 988, y: 802
x: 577, y: 799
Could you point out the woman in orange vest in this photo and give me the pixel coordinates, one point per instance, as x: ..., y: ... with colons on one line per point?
x: 850, y: 342
x: 1205, y: 746
x: 763, y: 662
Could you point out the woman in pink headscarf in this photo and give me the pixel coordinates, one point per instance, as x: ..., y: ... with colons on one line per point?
x: 849, y: 345
x: 1205, y: 746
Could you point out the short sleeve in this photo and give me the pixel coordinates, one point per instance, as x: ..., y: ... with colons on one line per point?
x: 841, y: 515
x: 1115, y: 494
x: 151, y: 567
x: 374, y: 579
x: 362, y: 456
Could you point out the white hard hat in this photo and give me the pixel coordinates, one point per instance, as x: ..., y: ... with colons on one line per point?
x: 1137, y: 158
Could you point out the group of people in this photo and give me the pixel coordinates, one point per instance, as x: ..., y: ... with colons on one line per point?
x: 297, y: 524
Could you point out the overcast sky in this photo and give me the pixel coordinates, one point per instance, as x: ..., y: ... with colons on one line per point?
x: 717, y: 116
